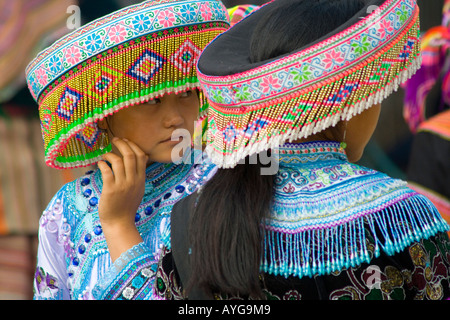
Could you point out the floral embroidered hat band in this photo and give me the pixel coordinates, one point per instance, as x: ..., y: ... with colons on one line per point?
x: 257, y: 106
x: 127, y: 57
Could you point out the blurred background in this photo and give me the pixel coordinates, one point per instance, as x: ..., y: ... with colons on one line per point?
x: 27, y: 185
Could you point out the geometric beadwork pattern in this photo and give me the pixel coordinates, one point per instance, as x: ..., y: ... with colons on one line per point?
x: 256, y: 126
x: 229, y: 134
x: 68, y: 103
x: 146, y: 66
x: 184, y: 57
x: 89, y: 135
x: 300, y: 94
x: 47, y: 118
x: 114, y: 62
x: 86, y: 42
x: 295, y: 72
x: 104, y: 81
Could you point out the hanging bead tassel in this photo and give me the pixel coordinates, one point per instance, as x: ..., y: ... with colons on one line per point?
x: 323, y: 251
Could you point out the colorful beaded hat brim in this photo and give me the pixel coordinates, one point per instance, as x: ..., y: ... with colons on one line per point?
x: 257, y: 106
x: 130, y: 56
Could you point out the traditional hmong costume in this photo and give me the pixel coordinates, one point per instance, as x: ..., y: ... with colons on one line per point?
x: 127, y: 57
x: 336, y: 230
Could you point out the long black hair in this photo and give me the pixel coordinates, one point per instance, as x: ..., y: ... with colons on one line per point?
x: 226, y: 226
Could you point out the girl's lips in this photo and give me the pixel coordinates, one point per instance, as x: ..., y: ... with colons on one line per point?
x: 169, y: 140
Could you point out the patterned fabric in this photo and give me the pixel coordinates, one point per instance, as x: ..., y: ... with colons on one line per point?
x: 439, y: 125
x: 330, y: 218
x: 130, y: 278
x: 73, y: 258
x: 420, y: 272
x: 307, y: 91
x: 434, y: 71
x: 128, y: 57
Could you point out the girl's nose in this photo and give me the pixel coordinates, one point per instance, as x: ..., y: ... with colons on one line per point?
x: 172, y: 116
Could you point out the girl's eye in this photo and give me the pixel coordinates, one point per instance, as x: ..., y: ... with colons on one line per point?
x: 186, y: 94
x: 154, y: 101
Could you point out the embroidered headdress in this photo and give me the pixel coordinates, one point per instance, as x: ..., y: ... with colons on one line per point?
x: 257, y: 106
x: 127, y: 57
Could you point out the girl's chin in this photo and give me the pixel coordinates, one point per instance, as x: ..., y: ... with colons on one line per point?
x: 167, y: 153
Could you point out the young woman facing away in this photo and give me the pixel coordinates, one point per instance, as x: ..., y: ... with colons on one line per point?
x: 313, y: 73
x: 128, y: 78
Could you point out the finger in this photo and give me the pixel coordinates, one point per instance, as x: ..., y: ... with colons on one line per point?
x: 117, y: 166
x: 141, y: 157
x: 128, y: 156
x: 107, y: 174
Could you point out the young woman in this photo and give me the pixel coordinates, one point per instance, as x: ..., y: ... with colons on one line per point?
x: 128, y: 78
x: 305, y: 80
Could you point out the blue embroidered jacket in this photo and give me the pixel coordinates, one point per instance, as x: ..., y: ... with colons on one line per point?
x: 321, y: 208
x: 73, y: 259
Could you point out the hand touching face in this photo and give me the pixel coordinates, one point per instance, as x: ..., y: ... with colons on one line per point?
x: 140, y: 134
x: 123, y: 182
x: 123, y: 189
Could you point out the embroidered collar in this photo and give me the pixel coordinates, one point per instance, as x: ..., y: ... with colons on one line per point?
x: 328, y: 214
x: 300, y: 153
x: 166, y: 184
x: 317, y: 187
x: 157, y: 175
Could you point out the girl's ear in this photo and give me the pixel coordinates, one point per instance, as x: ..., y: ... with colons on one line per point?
x: 102, y: 124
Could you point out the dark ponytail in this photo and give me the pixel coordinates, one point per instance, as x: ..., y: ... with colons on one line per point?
x: 225, y: 230
x: 226, y: 226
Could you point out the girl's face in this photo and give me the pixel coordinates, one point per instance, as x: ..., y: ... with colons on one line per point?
x: 150, y: 125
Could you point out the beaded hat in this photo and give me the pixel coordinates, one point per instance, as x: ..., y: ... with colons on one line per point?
x: 257, y: 106
x: 127, y: 57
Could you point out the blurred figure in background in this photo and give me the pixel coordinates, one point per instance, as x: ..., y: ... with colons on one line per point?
x: 427, y: 113
x: 26, y: 184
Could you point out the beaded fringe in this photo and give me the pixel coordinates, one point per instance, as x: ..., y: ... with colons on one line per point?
x: 311, y: 110
x: 133, y: 73
x: 252, y: 146
x: 74, y: 148
x: 323, y: 251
